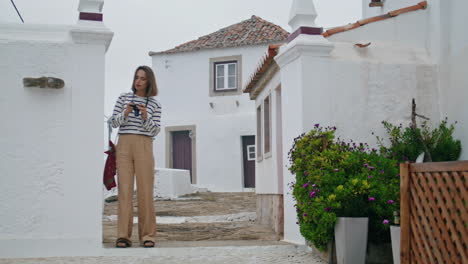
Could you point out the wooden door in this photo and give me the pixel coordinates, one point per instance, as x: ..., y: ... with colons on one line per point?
x: 248, y: 153
x: 182, y: 151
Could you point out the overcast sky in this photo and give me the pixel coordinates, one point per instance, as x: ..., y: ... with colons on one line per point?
x: 141, y: 26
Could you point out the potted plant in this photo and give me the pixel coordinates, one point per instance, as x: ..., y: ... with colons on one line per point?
x: 337, y: 179
x: 395, y: 232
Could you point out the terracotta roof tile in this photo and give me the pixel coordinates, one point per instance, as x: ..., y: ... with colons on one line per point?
x: 263, y: 67
x: 252, y: 31
x: 420, y: 5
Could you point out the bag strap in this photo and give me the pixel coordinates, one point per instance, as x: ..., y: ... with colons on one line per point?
x: 109, y: 127
x: 147, y: 99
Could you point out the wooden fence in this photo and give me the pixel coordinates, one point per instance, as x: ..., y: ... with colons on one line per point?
x: 434, y: 212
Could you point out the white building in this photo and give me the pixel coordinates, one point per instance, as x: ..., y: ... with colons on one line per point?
x: 355, y: 76
x: 209, y: 124
x: 51, y: 143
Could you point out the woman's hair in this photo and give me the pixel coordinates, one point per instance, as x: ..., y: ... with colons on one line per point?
x: 152, y: 88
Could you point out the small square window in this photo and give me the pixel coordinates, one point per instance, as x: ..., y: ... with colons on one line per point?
x: 376, y: 3
x: 225, y: 76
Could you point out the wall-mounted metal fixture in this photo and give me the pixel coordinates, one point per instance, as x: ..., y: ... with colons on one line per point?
x: 44, y: 82
x: 237, y: 103
x: 375, y: 3
x: 211, y: 105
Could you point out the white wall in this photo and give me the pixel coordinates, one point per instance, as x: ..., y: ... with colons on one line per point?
x: 291, y: 82
x: 454, y: 62
x: 408, y: 30
x: 51, y: 140
x: 355, y: 89
x: 441, y: 35
x: 183, y: 79
x: 268, y: 178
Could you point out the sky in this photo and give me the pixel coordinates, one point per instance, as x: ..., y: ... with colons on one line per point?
x: 141, y: 26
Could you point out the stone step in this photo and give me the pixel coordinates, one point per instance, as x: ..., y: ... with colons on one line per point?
x: 239, y: 217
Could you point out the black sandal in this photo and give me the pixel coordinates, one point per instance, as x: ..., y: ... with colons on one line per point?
x: 148, y: 244
x: 126, y: 243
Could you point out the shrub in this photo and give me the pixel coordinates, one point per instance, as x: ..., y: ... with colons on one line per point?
x: 339, y: 179
x: 406, y: 144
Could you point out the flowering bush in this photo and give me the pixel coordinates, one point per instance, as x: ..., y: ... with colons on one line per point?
x: 339, y: 179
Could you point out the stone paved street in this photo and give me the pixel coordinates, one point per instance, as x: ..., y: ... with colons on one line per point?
x: 194, y: 255
x: 225, y: 233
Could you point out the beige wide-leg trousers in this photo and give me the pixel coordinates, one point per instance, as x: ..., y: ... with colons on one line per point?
x: 135, y: 158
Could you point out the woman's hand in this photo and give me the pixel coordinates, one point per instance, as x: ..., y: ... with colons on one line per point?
x: 128, y: 109
x: 144, y: 113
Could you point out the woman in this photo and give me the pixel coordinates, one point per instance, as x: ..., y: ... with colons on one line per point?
x: 138, y: 115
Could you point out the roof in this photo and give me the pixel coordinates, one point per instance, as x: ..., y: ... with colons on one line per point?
x: 253, y: 31
x: 262, y: 69
x: 362, y: 22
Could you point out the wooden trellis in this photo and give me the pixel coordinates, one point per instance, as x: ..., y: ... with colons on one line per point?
x: 434, y: 212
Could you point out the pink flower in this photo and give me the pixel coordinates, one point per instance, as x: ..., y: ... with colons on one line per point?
x: 371, y: 168
x: 385, y: 222
x: 337, y: 170
x: 305, y: 185
x: 312, y: 194
x: 328, y: 209
x: 390, y: 201
x: 371, y: 199
x: 366, y: 165
x: 370, y: 176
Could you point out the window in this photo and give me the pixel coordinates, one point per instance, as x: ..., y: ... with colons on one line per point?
x: 251, y: 152
x: 267, y: 124
x: 225, y: 76
x: 374, y: 3
x: 259, y: 132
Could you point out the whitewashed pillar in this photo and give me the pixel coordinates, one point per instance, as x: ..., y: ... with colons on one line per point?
x: 91, y: 39
x: 302, y: 61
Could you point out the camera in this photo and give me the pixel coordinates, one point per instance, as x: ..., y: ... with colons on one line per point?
x: 136, y: 110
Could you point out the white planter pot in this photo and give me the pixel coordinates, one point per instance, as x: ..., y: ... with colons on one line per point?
x: 351, y: 240
x: 395, y: 236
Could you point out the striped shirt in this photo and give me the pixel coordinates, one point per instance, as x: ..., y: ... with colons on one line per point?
x: 135, y: 124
